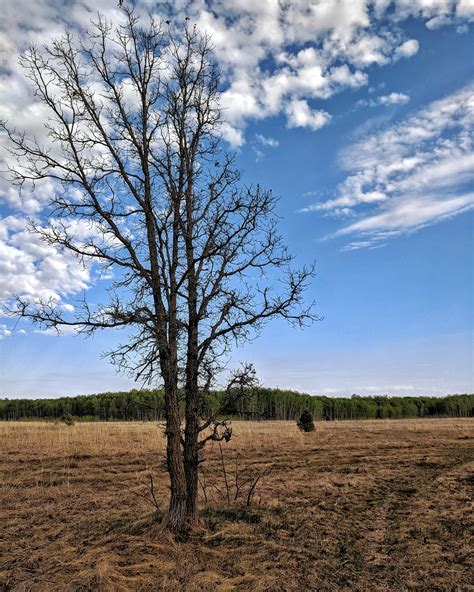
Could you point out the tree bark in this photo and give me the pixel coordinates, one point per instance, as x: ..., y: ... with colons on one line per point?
x: 176, y: 520
x: 193, y: 408
x: 191, y: 453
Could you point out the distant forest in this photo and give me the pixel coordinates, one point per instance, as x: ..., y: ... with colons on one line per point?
x: 262, y: 404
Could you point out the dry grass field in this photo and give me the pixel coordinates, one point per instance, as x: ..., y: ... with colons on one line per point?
x: 361, y: 505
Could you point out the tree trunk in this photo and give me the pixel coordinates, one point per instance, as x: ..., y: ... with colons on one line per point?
x: 193, y: 408
x: 191, y: 465
x: 176, y: 520
x: 177, y: 515
x: 191, y: 446
x: 193, y: 395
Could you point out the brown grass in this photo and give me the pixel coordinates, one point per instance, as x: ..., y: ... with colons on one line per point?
x: 369, y: 505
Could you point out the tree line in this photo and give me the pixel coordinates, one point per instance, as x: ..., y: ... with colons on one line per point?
x: 258, y: 404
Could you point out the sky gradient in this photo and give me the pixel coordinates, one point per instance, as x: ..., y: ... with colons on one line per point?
x: 359, y: 115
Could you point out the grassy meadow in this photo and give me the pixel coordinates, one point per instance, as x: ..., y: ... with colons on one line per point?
x: 379, y: 505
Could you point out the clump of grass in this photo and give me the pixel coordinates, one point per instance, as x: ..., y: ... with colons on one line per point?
x: 215, y: 517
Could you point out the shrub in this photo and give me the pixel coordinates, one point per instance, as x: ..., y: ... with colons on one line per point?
x: 305, y: 422
x: 67, y: 419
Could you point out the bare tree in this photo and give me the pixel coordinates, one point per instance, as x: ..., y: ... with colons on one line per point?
x: 134, y: 152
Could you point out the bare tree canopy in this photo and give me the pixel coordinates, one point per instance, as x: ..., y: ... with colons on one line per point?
x: 135, y: 155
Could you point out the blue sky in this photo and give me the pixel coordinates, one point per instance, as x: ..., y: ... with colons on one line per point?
x: 361, y: 119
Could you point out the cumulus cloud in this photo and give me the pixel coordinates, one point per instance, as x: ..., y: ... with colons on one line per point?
x: 4, y: 332
x: 438, y: 21
x: 407, y: 49
x: 34, y: 270
x: 409, y: 175
x: 300, y: 115
x: 394, y: 98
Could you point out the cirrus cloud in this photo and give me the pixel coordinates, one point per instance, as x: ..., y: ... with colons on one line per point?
x: 412, y: 174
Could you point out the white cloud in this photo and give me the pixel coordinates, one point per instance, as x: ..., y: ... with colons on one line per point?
x: 4, y: 332
x: 465, y: 9
x: 261, y: 142
x: 409, y: 175
x: 258, y: 154
x: 394, y: 99
x: 408, y: 213
x: 438, y: 21
x: 34, y: 270
x: 369, y: 49
x: 407, y: 49
x: 300, y: 115
x: 270, y: 142
x: 317, y: 48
